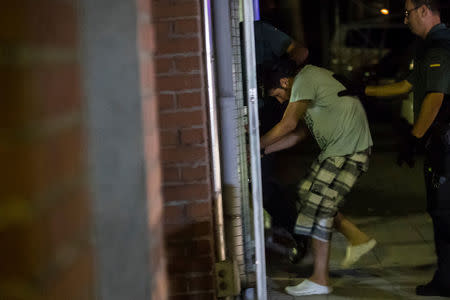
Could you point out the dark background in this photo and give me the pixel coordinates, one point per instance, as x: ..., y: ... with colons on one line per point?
x: 314, y: 22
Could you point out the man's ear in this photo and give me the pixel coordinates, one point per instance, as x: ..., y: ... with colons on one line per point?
x: 284, y: 82
x: 424, y: 11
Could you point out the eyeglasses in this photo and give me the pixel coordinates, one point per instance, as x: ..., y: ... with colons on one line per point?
x: 408, y: 11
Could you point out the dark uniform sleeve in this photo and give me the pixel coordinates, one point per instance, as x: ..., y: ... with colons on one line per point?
x: 437, y: 64
x: 277, y: 40
x: 412, y: 77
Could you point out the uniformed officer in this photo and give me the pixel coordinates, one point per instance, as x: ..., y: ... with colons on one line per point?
x: 430, y: 83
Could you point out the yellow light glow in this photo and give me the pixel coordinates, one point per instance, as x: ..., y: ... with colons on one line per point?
x: 384, y: 11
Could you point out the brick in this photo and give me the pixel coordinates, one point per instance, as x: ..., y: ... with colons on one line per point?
x: 174, y: 212
x: 45, y: 22
x: 171, y: 174
x: 69, y: 219
x: 188, y: 63
x: 199, y: 248
x: 164, y: 65
x: 164, y: 9
x: 176, y: 252
x: 174, y: 120
x: 196, y: 296
x: 187, y: 232
x: 194, y: 173
x: 30, y: 169
x: 15, y: 110
x: 186, y: 26
x: 194, y: 265
x: 28, y: 248
x: 192, y: 136
x: 169, y: 137
x: 163, y: 30
x: 184, y: 154
x: 76, y: 280
x: 65, y: 224
x: 186, y: 192
x: 51, y: 90
x: 178, y: 82
x: 178, y: 285
x: 166, y: 102
x: 201, y: 283
x: 178, y: 48
x: 58, y: 158
x: 199, y: 210
x: 57, y: 89
x: 17, y: 180
x: 178, y: 45
x: 189, y: 100
x: 189, y: 248
x: 17, y: 255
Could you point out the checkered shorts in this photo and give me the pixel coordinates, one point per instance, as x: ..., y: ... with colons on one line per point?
x: 322, y: 192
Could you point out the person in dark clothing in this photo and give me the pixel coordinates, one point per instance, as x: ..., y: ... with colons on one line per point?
x: 430, y: 83
x: 278, y: 200
x: 270, y: 45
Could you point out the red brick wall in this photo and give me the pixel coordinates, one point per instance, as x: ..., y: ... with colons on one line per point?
x: 146, y: 45
x: 181, y: 86
x: 45, y: 221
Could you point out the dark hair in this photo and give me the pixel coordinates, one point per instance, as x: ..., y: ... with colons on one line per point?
x: 433, y: 5
x: 282, y: 68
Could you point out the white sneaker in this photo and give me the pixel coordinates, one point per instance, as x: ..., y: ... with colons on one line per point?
x: 307, y: 287
x: 354, y: 253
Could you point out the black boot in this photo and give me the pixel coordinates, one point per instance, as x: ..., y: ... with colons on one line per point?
x: 432, y: 289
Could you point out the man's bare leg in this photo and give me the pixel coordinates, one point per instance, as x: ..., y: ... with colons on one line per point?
x: 349, y: 230
x: 321, y: 251
x: 360, y: 243
x: 318, y: 283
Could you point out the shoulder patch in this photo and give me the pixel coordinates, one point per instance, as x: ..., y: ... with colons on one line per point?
x: 435, y: 65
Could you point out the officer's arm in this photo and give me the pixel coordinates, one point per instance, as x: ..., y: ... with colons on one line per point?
x: 428, y: 112
x: 297, y: 52
x: 294, y: 112
x: 387, y: 90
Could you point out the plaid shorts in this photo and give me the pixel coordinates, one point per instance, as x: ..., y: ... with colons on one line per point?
x: 322, y: 192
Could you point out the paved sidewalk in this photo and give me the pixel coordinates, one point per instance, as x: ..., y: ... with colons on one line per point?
x: 403, y: 258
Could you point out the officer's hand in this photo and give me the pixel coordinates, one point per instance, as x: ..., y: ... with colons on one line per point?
x: 408, y: 150
x: 352, y: 89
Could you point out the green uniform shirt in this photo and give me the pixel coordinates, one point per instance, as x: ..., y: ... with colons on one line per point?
x: 270, y: 43
x: 339, y: 124
x: 431, y: 71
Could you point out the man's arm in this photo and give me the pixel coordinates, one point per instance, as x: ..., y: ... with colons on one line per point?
x: 294, y: 112
x: 428, y: 112
x: 288, y: 140
x: 387, y: 90
x: 297, y: 52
